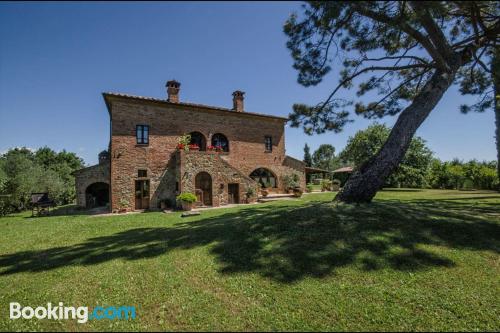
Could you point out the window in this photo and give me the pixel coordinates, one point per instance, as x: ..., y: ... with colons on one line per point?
x: 264, y: 177
x: 198, y: 139
x: 220, y: 140
x: 142, y: 134
x: 268, y: 142
x: 142, y: 173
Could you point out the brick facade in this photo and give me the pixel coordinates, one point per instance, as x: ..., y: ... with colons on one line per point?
x: 167, y: 168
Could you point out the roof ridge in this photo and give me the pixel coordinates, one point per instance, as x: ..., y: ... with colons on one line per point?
x: 190, y: 104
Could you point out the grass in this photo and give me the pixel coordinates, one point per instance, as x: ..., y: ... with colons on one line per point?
x: 411, y: 260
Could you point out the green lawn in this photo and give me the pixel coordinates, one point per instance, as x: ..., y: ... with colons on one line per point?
x: 411, y: 260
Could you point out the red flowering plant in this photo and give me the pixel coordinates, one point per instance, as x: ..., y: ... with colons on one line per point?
x: 211, y: 148
x: 218, y: 148
x: 183, y: 142
x: 194, y: 146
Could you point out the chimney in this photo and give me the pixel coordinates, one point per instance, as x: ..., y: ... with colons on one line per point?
x: 103, y: 156
x: 238, y: 97
x: 173, y: 88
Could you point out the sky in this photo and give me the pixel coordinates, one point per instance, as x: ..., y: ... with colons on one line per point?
x: 56, y: 59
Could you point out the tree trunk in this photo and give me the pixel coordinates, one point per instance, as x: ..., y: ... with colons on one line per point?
x: 371, y: 176
x: 495, y: 70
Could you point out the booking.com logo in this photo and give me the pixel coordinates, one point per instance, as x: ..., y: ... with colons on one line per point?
x: 81, y: 313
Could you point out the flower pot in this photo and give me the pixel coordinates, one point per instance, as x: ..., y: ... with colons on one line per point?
x: 187, y: 205
x: 297, y: 192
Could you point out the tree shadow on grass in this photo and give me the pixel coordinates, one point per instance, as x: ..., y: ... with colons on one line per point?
x: 288, y: 242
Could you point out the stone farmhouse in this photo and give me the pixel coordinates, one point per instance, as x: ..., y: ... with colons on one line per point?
x: 145, y: 169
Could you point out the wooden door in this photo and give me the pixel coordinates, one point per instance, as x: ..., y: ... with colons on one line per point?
x: 141, y: 194
x: 203, y: 182
x: 233, y: 193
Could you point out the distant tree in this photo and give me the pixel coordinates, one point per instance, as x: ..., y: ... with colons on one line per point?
x: 307, y: 156
x: 412, y: 170
x: 437, y: 176
x: 3, y: 176
x: 324, y: 157
x: 416, y: 51
x: 457, y: 174
x: 23, y: 172
x: 46, y: 157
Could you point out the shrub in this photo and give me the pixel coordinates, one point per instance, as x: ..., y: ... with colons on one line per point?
x: 291, y: 180
x: 250, y: 192
x: 326, y: 185
x: 309, y: 188
x: 468, y: 184
x: 186, y: 197
x: 335, y: 185
x: 6, y: 206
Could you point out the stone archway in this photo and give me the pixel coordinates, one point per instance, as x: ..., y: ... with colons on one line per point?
x: 97, y: 195
x: 265, y: 177
x: 203, y: 187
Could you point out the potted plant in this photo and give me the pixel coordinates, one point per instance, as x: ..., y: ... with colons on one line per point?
x: 336, y: 185
x: 123, y: 206
x: 218, y: 149
x: 187, y: 199
x: 297, y: 192
x: 291, y: 181
x: 326, y: 185
x: 184, y: 142
x: 250, y: 194
x: 211, y: 148
x: 264, y: 191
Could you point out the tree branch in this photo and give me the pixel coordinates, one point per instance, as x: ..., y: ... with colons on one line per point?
x: 403, y: 25
x: 364, y: 70
x: 399, y: 87
x: 435, y: 34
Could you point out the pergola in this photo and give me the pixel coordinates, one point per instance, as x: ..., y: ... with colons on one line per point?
x: 311, y: 171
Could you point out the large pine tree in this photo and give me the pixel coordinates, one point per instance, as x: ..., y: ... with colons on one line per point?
x: 407, y: 52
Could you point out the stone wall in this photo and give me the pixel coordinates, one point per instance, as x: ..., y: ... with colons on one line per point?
x: 293, y: 165
x: 221, y: 172
x: 85, y: 177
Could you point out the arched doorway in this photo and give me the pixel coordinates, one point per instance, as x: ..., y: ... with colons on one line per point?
x: 203, y: 186
x: 264, y: 177
x: 198, y: 139
x: 220, y: 140
x: 97, y: 195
